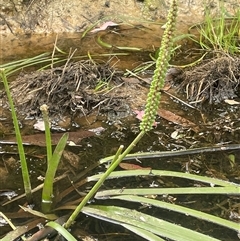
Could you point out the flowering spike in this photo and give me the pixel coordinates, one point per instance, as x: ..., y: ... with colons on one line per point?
x: 159, y: 75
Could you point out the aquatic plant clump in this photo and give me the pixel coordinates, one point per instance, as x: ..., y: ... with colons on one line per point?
x: 158, y: 81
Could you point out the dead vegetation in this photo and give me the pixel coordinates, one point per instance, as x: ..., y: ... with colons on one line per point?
x: 75, y: 88
x: 212, y: 81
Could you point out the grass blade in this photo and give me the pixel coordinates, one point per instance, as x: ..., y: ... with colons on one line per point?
x: 61, y: 230
x: 168, y: 154
x: 122, y: 216
x: 209, y: 180
x: 24, y: 167
x: 162, y: 191
x: 180, y: 209
x: 142, y: 232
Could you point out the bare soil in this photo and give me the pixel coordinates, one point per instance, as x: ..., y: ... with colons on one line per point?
x: 38, y: 16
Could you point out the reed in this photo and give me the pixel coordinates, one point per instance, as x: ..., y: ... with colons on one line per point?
x: 52, y: 158
x: 24, y: 166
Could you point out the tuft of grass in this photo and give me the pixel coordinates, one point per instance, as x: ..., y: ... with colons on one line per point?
x: 101, y: 86
x: 221, y: 33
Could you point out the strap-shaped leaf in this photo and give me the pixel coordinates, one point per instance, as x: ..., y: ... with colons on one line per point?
x: 181, y: 209
x: 122, y: 216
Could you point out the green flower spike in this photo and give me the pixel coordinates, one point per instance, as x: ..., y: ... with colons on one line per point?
x: 158, y: 81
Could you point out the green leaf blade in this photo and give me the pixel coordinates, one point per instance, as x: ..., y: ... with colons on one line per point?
x: 61, y: 230
x: 47, y: 193
x: 180, y: 209
x: 151, y: 224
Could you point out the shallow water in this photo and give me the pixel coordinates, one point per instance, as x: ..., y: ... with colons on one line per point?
x: 94, y: 148
x: 217, y: 126
x: 118, y: 36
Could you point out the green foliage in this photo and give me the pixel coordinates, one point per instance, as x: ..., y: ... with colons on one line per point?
x: 125, y: 217
x: 144, y: 225
x: 141, y: 196
x: 15, y: 66
x: 109, y: 46
x: 61, y: 230
x: 179, y: 209
x: 24, y: 167
x: 158, y: 81
x: 47, y: 193
x: 148, y: 227
x: 102, y: 86
x: 221, y: 33
x: 53, y: 159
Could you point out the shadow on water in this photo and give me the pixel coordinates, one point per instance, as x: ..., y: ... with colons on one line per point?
x: 167, y: 136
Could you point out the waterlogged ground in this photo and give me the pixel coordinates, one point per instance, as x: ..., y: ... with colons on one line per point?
x: 99, y: 133
x: 109, y: 135
x: 106, y: 116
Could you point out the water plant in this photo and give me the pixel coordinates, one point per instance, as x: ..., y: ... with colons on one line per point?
x: 52, y: 158
x: 147, y: 226
x: 52, y: 162
x: 137, y: 221
x: 24, y: 166
x: 150, y: 113
x: 151, y: 106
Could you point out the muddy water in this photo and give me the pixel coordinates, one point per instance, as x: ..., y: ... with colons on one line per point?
x: 126, y: 37
x: 166, y: 136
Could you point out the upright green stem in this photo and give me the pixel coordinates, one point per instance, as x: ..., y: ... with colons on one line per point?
x: 53, y: 160
x: 95, y: 188
x: 44, y: 110
x: 25, y: 172
x: 47, y: 193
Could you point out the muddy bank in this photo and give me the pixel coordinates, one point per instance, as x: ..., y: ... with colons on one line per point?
x: 72, y: 16
x: 29, y: 27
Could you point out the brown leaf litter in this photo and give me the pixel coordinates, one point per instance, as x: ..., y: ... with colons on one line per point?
x: 75, y: 88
